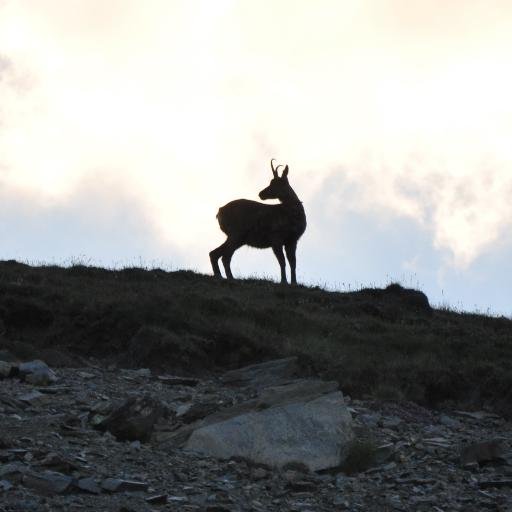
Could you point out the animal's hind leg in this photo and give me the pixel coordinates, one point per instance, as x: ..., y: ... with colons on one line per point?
x: 278, y: 251
x: 230, y: 246
x: 214, y: 258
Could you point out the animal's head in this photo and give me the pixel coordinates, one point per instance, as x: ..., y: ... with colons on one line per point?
x: 279, y: 187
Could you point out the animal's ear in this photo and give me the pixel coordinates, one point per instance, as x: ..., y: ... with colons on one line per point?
x: 285, y: 172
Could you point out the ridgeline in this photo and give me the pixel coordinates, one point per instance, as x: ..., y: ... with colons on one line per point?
x: 381, y: 343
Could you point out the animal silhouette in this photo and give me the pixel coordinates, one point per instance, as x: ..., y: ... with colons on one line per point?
x: 260, y: 225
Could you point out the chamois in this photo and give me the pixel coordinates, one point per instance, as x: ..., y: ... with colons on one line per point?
x: 261, y: 225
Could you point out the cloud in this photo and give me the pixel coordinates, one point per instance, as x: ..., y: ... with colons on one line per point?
x: 99, y: 222
x: 466, y: 213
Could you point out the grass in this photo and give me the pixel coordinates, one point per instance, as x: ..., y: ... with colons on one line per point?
x: 387, y: 343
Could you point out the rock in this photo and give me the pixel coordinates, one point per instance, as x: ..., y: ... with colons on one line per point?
x: 37, y: 372
x: 390, y: 422
x: 41, y: 378
x: 86, y: 375
x: 135, y: 445
x: 57, y: 462
x: 178, y: 381
x: 483, y: 452
x: 5, y: 485
x: 158, y: 499
x: 143, y: 372
x: 191, y: 412
x: 478, y: 415
x: 13, y: 471
x: 99, y: 411
x: 89, y: 485
x: 32, y: 397
x: 32, y: 366
x: 302, y: 486
x: 408, y: 297
x: 182, y: 409
x: 259, y: 473
x: 384, y: 452
x: 295, y: 391
x: 300, y: 390
x: 315, y: 433
x: 448, y: 421
x: 119, y: 485
x: 48, y: 482
x: 263, y: 374
x: 6, y: 369
x: 370, y: 420
x: 135, y: 419
x: 437, y: 442
x: 486, y: 484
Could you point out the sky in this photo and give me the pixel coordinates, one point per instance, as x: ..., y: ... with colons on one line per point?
x: 124, y: 125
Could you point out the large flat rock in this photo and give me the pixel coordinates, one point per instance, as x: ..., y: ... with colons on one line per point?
x: 315, y: 433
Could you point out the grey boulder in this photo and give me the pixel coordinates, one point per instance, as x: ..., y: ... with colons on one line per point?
x: 315, y: 431
x: 37, y: 373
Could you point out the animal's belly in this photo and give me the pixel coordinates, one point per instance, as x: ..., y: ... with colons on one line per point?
x: 259, y: 242
x: 264, y: 240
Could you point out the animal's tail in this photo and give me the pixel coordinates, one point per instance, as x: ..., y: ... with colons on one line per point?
x: 221, y: 219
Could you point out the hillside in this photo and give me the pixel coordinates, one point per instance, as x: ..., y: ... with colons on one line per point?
x: 387, y: 344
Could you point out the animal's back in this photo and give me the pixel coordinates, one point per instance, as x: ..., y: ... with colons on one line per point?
x: 240, y: 214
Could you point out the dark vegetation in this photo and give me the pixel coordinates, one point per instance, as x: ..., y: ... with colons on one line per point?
x: 386, y: 343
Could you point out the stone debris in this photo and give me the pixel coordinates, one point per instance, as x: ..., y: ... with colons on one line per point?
x: 403, y: 457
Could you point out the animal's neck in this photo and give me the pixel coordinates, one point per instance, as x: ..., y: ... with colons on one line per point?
x: 290, y: 198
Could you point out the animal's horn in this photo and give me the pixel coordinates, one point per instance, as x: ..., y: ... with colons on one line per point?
x: 274, y: 171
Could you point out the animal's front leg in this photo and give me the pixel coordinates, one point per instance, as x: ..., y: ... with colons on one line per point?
x: 278, y: 251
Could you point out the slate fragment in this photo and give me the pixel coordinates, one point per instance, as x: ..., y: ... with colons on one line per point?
x: 119, y: 485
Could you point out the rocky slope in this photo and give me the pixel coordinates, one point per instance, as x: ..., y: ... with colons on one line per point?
x: 64, y: 445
